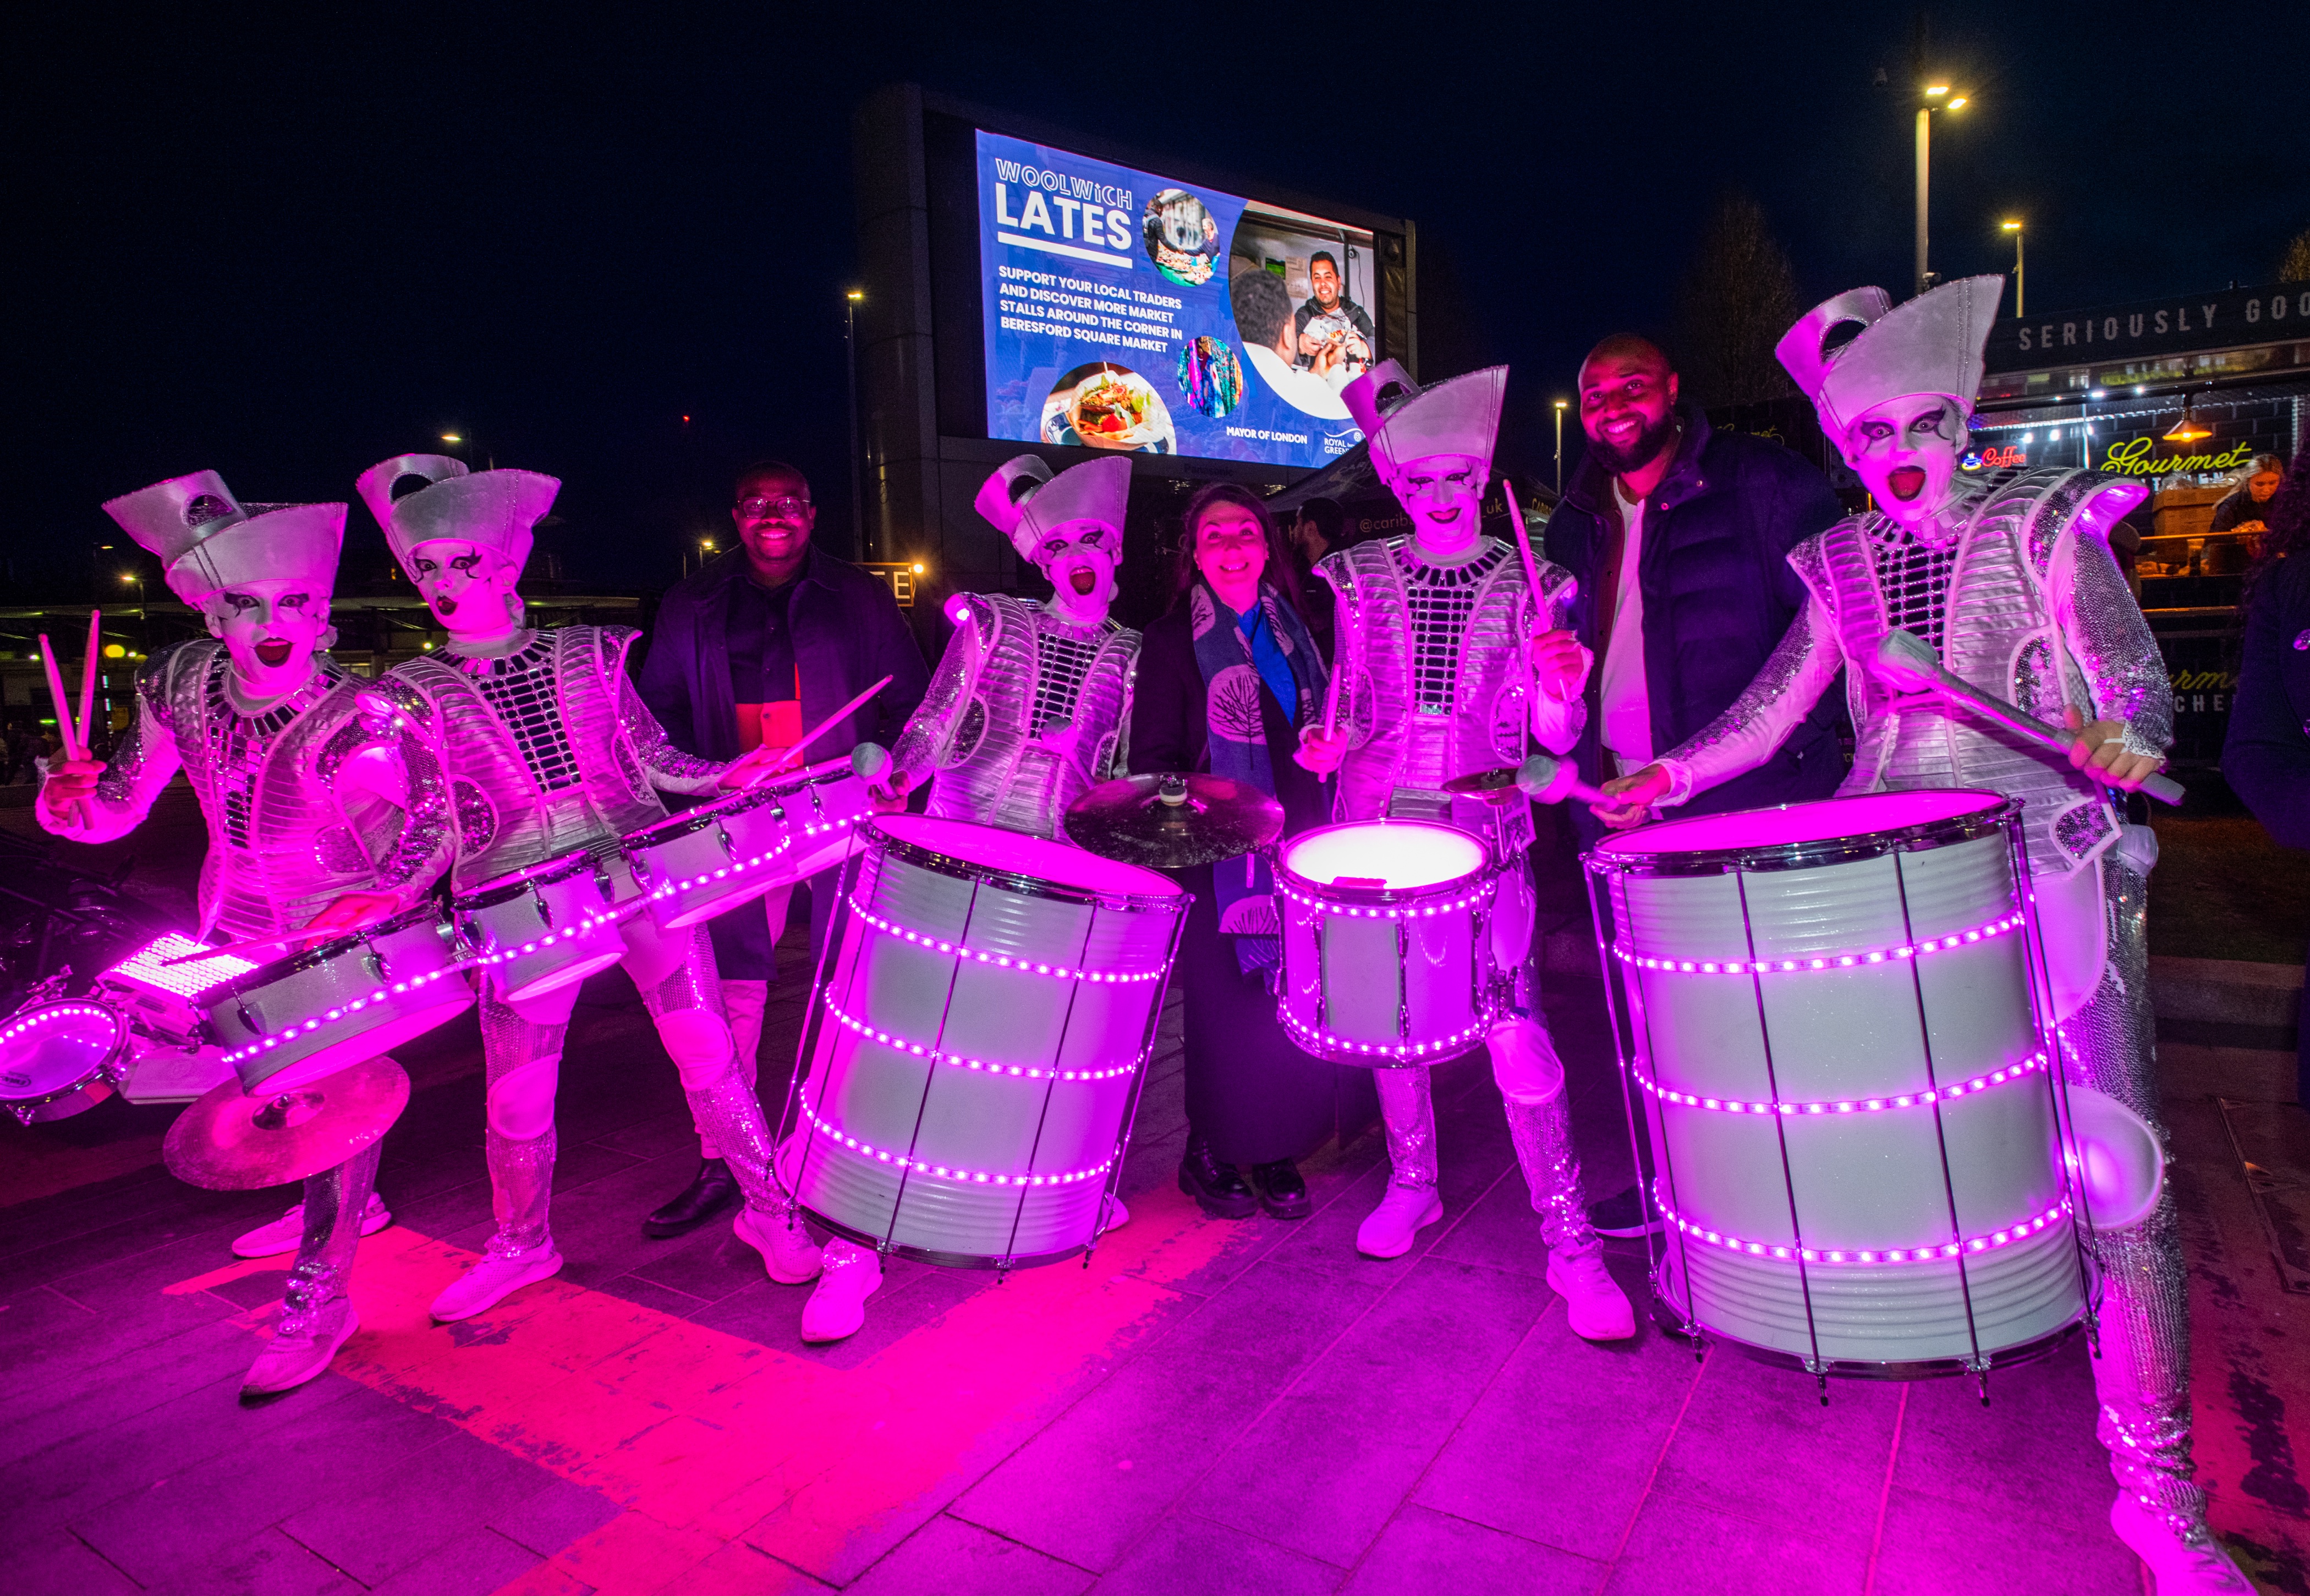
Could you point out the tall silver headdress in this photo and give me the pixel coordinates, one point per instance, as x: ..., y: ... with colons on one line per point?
x: 1930, y: 344
x: 494, y: 509
x: 1403, y: 422
x: 209, y: 540
x: 1026, y: 502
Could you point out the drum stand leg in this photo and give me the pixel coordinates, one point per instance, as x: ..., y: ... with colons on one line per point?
x: 1113, y: 1186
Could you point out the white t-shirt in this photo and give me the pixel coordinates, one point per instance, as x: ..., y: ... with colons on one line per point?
x: 1627, y: 710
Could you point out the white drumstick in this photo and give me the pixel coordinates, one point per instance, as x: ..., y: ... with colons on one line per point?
x: 1907, y: 662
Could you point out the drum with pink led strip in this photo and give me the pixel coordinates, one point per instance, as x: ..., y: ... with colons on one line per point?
x: 1385, y: 960
x: 1833, y: 1027
x: 979, y: 1034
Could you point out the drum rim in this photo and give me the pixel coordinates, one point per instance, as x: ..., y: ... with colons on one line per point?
x: 919, y: 1254
x: 1997, y: 813
x: 282, y: 968
x: 1663, y: 1315
x: 103, y: 1070
x: 1331, y: 892
x: 1026, y: 885
x: 545, y: 872
x: 691, y: 821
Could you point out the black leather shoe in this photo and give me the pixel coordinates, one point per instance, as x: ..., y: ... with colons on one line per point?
x: 1625, y: 1212
x: 714, y: 1191
x: 1216, y: 1187
x: 1281, y: 1192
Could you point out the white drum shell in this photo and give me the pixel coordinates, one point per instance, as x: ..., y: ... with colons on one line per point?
x: 974, y: 1121
x: 1861, y: 1178
x: 693, y: 869
x: 550, y: 932
x: 1384, y: 979
x: 295, y: 1021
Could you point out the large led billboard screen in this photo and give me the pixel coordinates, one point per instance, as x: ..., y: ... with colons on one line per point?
x: 1126, y: 310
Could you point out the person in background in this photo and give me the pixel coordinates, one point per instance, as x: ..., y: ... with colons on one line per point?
x: 1227, y: 677
x: 2244, y: 510
x: 1679, y: 535
x: 2266, y: 754
x: 761, y: 645
x: 1320, y: 528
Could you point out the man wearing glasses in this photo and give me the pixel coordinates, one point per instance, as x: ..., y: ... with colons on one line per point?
x: 763, y: 643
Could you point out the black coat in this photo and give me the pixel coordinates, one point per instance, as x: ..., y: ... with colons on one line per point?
x: 847, y: 632
x: 2266, y: 754
x: 1718, y: 593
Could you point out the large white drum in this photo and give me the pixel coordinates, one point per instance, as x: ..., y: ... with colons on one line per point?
x: 980, y: 1029
x: 1833, y: 1030
x: 1386, y: 962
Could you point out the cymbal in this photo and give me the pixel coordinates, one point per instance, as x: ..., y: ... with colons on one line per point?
x: 1170, y: 822
x: 230, y: 1141
x: 1542, y: 776
x: 1484, y: 784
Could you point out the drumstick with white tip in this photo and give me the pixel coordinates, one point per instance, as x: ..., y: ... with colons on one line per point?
x: 1552, y: 781
x: 1907, y: 662
x: 86, y: 724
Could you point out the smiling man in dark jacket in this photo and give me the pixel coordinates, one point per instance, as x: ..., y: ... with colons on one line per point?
x: 1678, y: 535
x: 1680, y: 630
x: 756, y: 648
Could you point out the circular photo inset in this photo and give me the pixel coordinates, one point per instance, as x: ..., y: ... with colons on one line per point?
x: 1106, y: 406
x: 1183, y: 239
x: 1211, y: 376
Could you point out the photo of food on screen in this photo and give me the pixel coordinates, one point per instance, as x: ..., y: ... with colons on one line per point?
x: 1106, y: 406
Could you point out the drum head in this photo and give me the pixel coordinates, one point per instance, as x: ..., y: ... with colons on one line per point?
x: 57, y: 1050
x: 1798, y: 833
x: 1400, y: 855
x: 1009, y: 853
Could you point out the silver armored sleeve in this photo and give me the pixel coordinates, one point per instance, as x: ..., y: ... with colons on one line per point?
x: 2113, y: 644
x: 668, y: 769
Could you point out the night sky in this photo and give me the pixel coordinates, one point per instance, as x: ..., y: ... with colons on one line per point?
x: 286, y: 246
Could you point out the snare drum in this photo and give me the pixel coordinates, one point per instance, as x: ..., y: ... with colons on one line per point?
x: 172, y: 1058
x: 61, y: 1059
x: 550, y: 925
x: 980, y: 1028
x: 1386, y: 959
x: 1838, y: 1045
x: 824, y: 808
x: 289, y: 1023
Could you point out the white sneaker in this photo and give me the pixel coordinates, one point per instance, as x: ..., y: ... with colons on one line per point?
x: 2179, y: 1568
x: 1389, y: 1230
x: 291, y: 1357
x: 283, y: 1234
x: 838, y: 1307
x: 491, y: 1281
x: 1595, y: 1306
x: 787, y: 1252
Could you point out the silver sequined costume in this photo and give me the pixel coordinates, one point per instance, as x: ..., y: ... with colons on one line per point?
x: 1435, y: 685
x: 551, y: 749
x: 336, y: 788
x: 2020, y: 593
x: 1026, y: 712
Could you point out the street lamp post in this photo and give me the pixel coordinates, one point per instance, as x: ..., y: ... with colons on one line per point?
x: 1937, y: 98
x: 2021, y: 282
x: 850, y: 302
x: 1560, y: 446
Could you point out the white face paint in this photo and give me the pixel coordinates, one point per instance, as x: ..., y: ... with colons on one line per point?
x: 1079, y: 557
x: 1905, y: 454
x: 270, y: 629
x: 469, y: 588
x: 1444, y: 495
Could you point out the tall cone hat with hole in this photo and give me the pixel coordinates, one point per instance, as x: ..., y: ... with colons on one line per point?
x: 208, y: 541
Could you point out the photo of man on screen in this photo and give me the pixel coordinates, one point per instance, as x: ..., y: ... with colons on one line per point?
x: 1263, y: 316
x: 1331, y: 334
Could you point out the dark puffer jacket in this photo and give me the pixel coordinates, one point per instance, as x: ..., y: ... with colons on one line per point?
x: 1718, y: 593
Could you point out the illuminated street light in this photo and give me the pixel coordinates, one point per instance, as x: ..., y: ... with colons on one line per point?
x: 451, y: 438
x: 2020, y: 284
x: 1561, y: 405
x: 1937, y: 90
x: 1925, y: 109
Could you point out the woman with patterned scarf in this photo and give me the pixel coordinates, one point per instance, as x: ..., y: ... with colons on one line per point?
x: 1225, y: 681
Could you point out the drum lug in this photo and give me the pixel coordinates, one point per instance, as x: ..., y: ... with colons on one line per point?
x: 373, y: 962
x: 1818, y: 1370
x: 24, y: 1114
x: 1977, y: 1366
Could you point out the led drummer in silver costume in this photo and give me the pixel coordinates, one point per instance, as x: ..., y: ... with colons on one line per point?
x: 1030, y: 704
x: 1451, y: 662
x: 549, y: 751
x: 324, y: 801
x: 2014, y: 586
x: 1028, y: 710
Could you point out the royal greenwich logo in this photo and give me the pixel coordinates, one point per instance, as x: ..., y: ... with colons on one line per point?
x: 2131, y: 457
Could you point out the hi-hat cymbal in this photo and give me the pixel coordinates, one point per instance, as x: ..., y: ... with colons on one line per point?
x: 230, y: 1141
x: 1484, y: 784
x: 1170, y: 822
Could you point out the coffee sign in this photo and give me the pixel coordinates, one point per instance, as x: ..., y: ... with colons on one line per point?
x: 2270, y: 314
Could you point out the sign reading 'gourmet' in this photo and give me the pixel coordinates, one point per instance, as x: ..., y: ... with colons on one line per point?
x: 2226, y: 320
